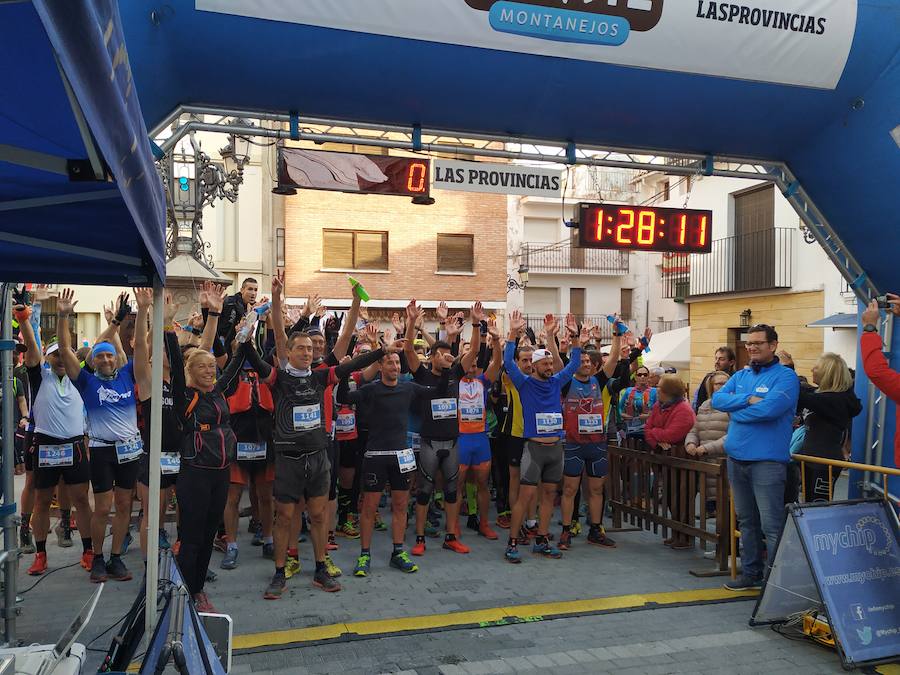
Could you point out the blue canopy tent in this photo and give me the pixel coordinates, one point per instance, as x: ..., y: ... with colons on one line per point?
x: 814, y: 85
x: 80, y: 199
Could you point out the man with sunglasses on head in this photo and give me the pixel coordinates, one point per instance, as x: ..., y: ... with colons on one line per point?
x: 761, y: 400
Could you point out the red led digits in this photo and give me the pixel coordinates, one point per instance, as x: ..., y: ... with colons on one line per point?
x: 702, y: 237
x: 622, y: 227
x: 418, y: 172
x: 599, y: 229
x: 646, y: 227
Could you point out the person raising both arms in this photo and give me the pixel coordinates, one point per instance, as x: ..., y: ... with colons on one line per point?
x: 542, y: 457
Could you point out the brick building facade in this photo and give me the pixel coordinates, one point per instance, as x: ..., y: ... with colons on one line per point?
x: 467, y: 231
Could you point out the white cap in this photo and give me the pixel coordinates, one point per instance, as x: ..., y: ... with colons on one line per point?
x: 52, y: 347
x: 540, y: 355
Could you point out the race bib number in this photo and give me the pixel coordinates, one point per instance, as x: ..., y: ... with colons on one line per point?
x: 169, y: 463
x: 443, y: 409
x: 590, y: 424
x: 407, y: 460
x: 307, y: 417
x: 251, y: 451
x: 56, y: 455
x: 414, y: 440
x: 130, y: 450
x: 471, y: 412
x: 548, y: 423
x: 345, y: 423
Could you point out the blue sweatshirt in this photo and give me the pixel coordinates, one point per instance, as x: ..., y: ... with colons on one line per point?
x: 762, y: 431
x: 541, y: 399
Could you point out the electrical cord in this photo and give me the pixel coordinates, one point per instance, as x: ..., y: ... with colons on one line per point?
x: 44, y: 576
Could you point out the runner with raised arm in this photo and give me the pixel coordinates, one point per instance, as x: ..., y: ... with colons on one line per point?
x: 542, y: 457
x: 303, y: 414
x: 115, y: 441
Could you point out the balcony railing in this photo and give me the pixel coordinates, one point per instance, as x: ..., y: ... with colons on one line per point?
x: 750, y: 262
x: 536, y: 323
x: 565, y: 258
x: 663, y: 326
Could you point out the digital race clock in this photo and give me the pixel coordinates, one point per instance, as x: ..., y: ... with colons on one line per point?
x: 644, y: 228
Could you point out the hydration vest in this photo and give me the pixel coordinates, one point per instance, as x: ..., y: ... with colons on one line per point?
x: 646, y: 403
x: 472, y: 408
x: 583, y: 417
x: 250, y: 391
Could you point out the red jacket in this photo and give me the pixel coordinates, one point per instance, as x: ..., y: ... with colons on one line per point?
x: 669, y: 425
x: 881, y: 375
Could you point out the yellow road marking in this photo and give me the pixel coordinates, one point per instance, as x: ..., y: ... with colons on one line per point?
x: 496, y: 614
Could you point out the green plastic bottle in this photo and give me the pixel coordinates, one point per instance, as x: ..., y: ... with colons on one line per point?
x: 358, y: 289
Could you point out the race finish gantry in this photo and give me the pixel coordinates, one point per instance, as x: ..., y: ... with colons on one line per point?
x: 806, y: 96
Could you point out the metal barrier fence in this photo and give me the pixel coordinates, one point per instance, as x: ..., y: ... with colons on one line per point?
x: 654, y: 491
x: 803, y: 460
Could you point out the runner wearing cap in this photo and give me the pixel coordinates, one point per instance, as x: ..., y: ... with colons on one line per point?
x: 542, y: 457
x: 57, y: 445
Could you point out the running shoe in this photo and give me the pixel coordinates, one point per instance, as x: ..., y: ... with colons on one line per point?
x: 127, y: 541
x: 230, y: 561
x: 524, y: 535
x: 362, y: 565
x: 323, y: 580
x: 576, y: 528
x: 268, y: 551
x: 455, y: 545
x: 472, y: 522
x: 87, y: 560
x: 98, y: 570
x: 503, y: 520
x: 26, y: 541
x: 419, y: 547
x: 116, y: 570
x: 275, y: 588
x: 512, y: 555
x: 348, y: 529
x: 332, y: 569
x: 565, y: 540
x: 380, y: 525
x: 211, y: 576
x: 163, y: 540
x: 546, y: 549
x: 220, y: 545
x: 39, y: 566
x: 176, y: 547
x: 432, y: 530
x: 403, y: 562
x: 532, y: 531
x: 253, y: 525
x: 63, y: 536
x: 332, y: 545
x: 257, y: 536
x: 291, y: 567
x: 202, y: 603
x: 485, y: 531
x: 598, y: 537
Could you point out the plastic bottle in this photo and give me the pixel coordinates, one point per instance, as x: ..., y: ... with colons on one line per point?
x: 262, y: 309
x: 358, y: 289
x: 249, y: 325
x: 645, y: 343
x: 619, y: 325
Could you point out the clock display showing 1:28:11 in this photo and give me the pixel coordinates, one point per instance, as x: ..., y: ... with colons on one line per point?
x: 643, y: 228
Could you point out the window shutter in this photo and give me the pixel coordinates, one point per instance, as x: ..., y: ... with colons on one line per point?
x: 371, y: 251
x: 455, y: 253
x: 337, y: 249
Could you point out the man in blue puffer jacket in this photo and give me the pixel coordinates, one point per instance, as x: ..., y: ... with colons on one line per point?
x: 761, y: 400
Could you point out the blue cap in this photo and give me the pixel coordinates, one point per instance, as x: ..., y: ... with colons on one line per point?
x: 101, y: 348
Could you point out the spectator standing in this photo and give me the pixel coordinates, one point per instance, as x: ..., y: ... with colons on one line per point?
x: 725, y: 361
x: 761, y: 400
x: 706, y: 440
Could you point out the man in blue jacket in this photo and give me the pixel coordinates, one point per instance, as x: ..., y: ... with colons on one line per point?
x: 761, y: 400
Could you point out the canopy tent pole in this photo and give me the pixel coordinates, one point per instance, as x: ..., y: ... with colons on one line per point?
x: 152, y: 505
x: 11, y: 558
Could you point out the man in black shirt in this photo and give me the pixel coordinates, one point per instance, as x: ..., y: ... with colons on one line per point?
x: 234, y: 309
x: 388, y: 458
x: 440, y: 425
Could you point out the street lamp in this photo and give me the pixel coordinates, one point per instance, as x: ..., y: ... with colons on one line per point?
x: 745, y: 318
x: 512, y: 284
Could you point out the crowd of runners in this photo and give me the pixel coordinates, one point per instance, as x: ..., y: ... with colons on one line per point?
x: 328, y: 420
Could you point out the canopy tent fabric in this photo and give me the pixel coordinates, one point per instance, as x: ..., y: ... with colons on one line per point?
x: 835, y: 321
x: 53, y: 228
x: 670, y: 348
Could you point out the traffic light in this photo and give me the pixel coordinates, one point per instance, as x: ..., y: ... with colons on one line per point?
x: 184, y: 191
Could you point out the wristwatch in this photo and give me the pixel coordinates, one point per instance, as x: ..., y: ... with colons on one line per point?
x: 870, y: 328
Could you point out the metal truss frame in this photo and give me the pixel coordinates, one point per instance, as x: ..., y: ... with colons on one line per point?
x: 414, y: 138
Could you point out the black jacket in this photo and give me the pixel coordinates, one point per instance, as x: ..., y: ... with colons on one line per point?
x: 827, y: 420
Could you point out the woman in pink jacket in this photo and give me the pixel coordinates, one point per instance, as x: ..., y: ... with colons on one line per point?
x: 669, y: 423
